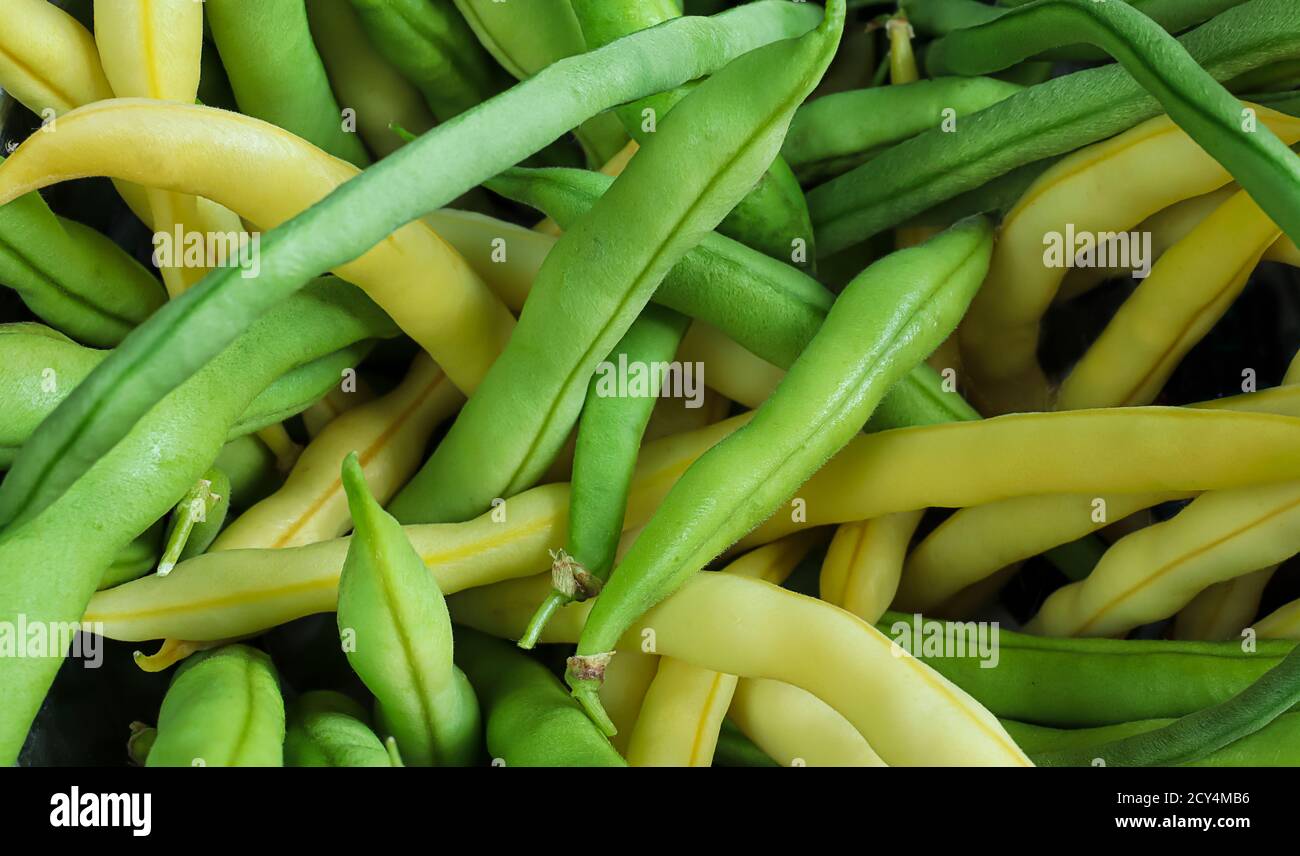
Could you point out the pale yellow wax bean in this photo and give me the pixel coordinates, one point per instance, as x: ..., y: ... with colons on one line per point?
x: 1281, y: 623
x: 1154, y: 572
x: 167, y: 69
x: 1110, y: 186
x: 974, y: 543
x: 505, y: 255
x: 339, y: 400
x: 240, y: 592
x: 624, y: 691
x: 685, y: 704
x: 680, y: 694
x: 1171, y: 310
x: 906, y: 711
x: 797, y: 729
x: 729, y: 368
x: 389, y: 436
x: 1222, y: 610
x: 426, y: 286
x: 1116, y: 450
x: 47, y: 59
x: 863, y: 566
x: 672, y: 416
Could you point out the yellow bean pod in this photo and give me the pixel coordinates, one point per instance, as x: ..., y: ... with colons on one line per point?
x: 906, y: 711
x: 48, y: 61
x: 1107, y: 187
x: 389, y: 436
x: 797, y: 729
x: 864, y: 564
x: 733, y: 371
x: 1152, y: 573
x: 624, y: 691
x: 1188, y: 291
x: 976, y: 542
x: 428, y: 289
x: 234, y: 593
x: 1281, y: 623
x: 337, y: 401
x: 685, y: 705
x: 1222, y: 610
x: 1116, y: 450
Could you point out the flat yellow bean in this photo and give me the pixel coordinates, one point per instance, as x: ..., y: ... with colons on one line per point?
x: 413, y: 274
x: 1222, y: 610
x: 864, y: 564
x: 1109, y: 186
x: 797, y: 729
x: 907, y: 712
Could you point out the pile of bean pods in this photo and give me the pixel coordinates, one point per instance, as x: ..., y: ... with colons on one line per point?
x: 649, y: 382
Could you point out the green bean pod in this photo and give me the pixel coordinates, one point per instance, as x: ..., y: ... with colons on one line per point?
x: 72, y: 276
x: 770, y: 308
x: 1275, y: 745
x: 136, y: 483
x: 736, y: 750
x: 610, y: 430
x: 837, y: 132
x: 1079, y: 683
x: 276, y: 73
x: 251, y: 468
x: 773, y: 216
x: 40, y: 367
x: 134, y: 560
x: 1050, y: 119
x: 1257, y: 159
x: 223, y: 709
x: 1198, y: 734
x: 423, y: 176
x: 530, y: 720
x: 328, y: 729
x: 397, y: 636
x: 432, y: 45
x: 888, y: 319
x: 521, y: 415
x: 527, y: 37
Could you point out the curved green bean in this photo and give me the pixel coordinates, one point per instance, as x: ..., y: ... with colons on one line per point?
x: 1198, y: 734
x: 1274, y: 745
x: 609, y: 437
x: 422, y: 176
x: 72, y: 276
x: 397, y: 636
x: 530, y: 720
x: 1257, y: 159
x: 888, y: 319
x: 770, y: 308
x: 328, y: 729
x: 527, y: 37
x: 276, y: 73
x: 773, y: 216
x: 1045, y: 120
x: 223, y: 709
x: 835, y: 133
x: 431, y: 44
x: 518, y: 419
x: 78, y: 537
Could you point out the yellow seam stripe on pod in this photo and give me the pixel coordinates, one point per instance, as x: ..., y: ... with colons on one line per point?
x: 389, y: 436
x: 48, y: 61
x: 976, y: 542
x: 152, y: 49
x: 432, y: 294
x: 907, y: 712
x: 236, y: 592
x: 1109, y: 186
x: 1154, y: 572
x: 685, y: 705
x: 1187, y: 292
x: 864, y: 564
